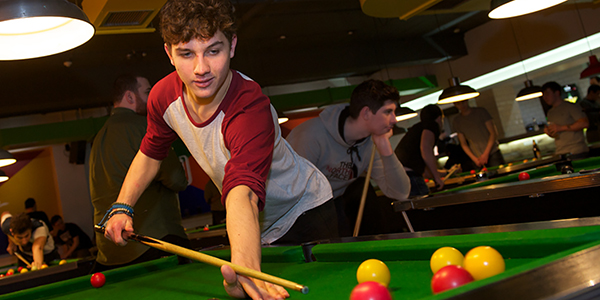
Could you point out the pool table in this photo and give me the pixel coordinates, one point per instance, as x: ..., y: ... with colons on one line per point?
x: 548, y: 259
x: 547, y: 195
x: 215, y: 235
x: 502, y: 170
x: 73, y: 268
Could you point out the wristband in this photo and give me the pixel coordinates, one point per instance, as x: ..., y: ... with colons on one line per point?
x: 116, y: 208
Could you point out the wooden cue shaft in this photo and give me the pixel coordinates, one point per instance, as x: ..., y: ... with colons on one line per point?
x: 17, y: 254
x: 452, y: 170
x: 201, y: 257
x: 361, y: 207
x: 23, y: 259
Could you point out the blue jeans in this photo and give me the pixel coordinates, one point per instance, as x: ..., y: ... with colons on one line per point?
x: 418, y: 186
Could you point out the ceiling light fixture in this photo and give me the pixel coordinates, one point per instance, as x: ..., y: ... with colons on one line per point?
x: 530, y: 91
x: 405, y: 113
x: 502, y: 9
x: 36, y: 28
x: 455, y: 92
x: 533, y: 63
x: 594, y: 67
x: 3, y: 176
x: 6, y: 158
x: 281, y: 118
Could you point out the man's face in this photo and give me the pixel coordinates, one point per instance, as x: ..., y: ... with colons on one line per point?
x: 461, y: 105
x: 141, y: 94
x: 203, y: 65
x: 60, y: 224
x: 384, y: 119
x: 550, y: 96
x: 23, y: 238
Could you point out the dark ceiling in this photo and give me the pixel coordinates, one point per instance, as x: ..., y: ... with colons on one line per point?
x: 279, y: 42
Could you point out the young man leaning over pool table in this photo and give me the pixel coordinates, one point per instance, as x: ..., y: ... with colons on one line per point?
x: 232, y: 132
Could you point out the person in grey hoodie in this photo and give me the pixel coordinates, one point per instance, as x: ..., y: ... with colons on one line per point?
x: 340, y: 141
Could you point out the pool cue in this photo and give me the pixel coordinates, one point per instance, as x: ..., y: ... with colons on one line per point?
x: 17, y: 254
x: 451, y: 171
x: 363, y: 198
x: 204, y: 258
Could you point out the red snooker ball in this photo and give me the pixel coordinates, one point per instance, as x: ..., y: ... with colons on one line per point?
x: 370, y: 290
x: 473, y: 172
x: 523, y: 176
x: 449, y: 277
x: 98, y: 280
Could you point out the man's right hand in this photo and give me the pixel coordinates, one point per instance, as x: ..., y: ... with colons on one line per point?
x: 115, y: 227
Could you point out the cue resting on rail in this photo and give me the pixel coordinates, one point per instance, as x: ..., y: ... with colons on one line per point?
x: 201, y: 257
x: 451, y: 171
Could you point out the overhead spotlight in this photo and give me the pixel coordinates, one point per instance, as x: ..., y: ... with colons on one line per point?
x: 456, y: 92
x: 281, y: 117
x: 502, y: 9
x: 405, y: 113
x: 529, y: 92
x: 6, y: 158
x: 36, y: 28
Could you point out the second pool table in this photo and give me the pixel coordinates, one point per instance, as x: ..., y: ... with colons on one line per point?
x: 547, y: 195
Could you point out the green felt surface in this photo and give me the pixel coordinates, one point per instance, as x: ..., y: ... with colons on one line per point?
x: 211, y: 227
x: 333, y: 275
x: 534, y: 173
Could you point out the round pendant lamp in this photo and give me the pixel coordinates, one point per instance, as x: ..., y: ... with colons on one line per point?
x: 405, y: 113
x: 37, y: 28
x: 6, y: 158
x: 502, y: 9
x: 456, y: 92
x: 529, y: 92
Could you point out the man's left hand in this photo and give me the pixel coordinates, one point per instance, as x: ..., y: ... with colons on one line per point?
x: 241, y: 287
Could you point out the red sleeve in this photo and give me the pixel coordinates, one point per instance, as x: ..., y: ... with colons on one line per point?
x: 249, y: 135
x: 159, y: 136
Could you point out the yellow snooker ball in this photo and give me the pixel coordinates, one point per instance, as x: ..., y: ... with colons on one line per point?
x: 62, y: 262
x: 373, y: 270
x: 445, y: 256
x: 24, y: 270
x: 483, y: 262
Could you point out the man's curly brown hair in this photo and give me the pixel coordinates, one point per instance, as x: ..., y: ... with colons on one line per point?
x: 184, y: 20
x: 20, y: 223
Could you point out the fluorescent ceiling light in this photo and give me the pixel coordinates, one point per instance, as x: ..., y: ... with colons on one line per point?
x: 517, y: 69
x: 301, y: 110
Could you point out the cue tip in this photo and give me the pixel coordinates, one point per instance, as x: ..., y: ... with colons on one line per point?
x: 304, y: 290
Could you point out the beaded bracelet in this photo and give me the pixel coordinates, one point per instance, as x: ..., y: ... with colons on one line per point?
x: 116, y: 208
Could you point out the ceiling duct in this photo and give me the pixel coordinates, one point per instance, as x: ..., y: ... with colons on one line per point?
x: 118, y: 16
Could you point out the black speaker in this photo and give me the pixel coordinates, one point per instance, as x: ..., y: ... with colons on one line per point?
x: 77, y: 152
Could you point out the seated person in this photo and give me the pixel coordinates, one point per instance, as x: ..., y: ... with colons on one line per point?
x: 415, y: 150
x: 33, y: 212
x: 70, y: 240
x: 30, y: 238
